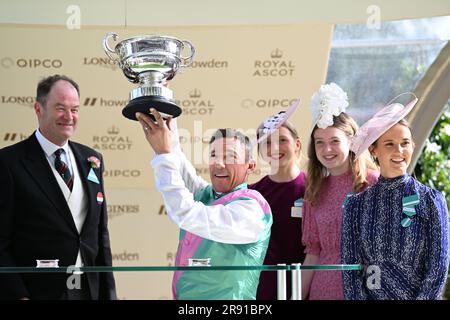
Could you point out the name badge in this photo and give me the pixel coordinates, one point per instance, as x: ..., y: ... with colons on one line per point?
x: 296, y: 210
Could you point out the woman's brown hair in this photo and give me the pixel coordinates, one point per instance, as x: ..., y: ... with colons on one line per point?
x: 289, y: 126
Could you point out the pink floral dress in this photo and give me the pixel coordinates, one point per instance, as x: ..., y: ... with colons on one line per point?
x: 321, y: 234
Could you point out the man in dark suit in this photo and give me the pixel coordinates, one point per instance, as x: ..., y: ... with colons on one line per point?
x: 52, y: 204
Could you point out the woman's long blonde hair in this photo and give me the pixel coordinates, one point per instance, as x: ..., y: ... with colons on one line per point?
x: 317, y: 173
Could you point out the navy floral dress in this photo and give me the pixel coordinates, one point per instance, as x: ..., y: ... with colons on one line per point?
x: 404, y: 255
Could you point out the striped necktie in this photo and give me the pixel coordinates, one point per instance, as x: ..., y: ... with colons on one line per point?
x: 63, y: 169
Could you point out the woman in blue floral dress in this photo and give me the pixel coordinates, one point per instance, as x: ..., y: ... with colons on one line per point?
x: 398, y: 229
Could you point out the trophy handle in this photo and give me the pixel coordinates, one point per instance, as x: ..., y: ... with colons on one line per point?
x: 187, y: 60
x: 106, y: 47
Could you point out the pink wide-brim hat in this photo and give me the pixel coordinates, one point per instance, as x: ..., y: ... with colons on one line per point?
x: 274, y: 122
x: 381, y: 122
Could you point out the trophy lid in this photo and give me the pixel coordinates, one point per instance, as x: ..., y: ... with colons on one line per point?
x: 147, y: 37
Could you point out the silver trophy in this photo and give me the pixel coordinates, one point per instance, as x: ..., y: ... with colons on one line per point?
x: 150, y: 61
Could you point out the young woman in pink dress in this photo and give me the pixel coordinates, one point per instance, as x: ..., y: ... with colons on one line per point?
x: 281, y: 188
x: 332, y: 174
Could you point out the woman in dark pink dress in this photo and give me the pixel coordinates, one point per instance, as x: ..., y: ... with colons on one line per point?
x: 283, y: 189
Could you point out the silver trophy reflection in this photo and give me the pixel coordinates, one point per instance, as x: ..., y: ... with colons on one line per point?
x: 150, y: 61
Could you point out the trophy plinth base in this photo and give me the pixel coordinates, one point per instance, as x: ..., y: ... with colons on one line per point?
x: 143, y: 104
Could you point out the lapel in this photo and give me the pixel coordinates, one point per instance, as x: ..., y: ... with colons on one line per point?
x: 37, y: 166
x: 83, y: 170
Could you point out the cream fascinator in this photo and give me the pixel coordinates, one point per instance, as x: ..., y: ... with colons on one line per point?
x: 329, y: 101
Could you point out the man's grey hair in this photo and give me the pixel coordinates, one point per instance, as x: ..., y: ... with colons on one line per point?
x: 233, y: 133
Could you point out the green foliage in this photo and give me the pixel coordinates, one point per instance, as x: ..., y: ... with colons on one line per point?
x: 433, y: 166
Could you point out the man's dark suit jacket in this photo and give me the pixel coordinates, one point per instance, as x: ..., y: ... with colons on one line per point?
x: 36, y: 223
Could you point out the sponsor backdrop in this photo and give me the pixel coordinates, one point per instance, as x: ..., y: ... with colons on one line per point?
x: 239, y: 76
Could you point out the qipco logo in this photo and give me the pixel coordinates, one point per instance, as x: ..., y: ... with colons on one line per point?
x: 30, y: 63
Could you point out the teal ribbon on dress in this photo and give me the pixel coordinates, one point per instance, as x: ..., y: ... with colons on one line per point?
x: 344, y: 203
x: 409, y: 208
